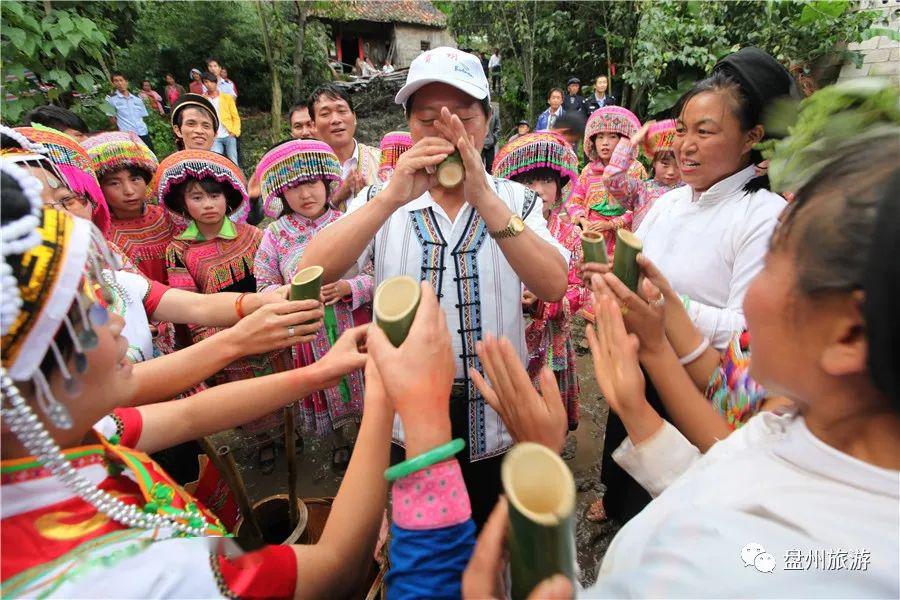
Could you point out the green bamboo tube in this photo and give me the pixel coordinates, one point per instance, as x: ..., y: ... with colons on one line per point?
x: 541, y: 494
x: 307, y: 284
x: 451, y: 172
x: 395, y: 304
x: 594, y: 247
x: 625, y: 266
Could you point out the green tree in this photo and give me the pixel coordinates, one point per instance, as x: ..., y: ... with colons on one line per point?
x: 49, y: 53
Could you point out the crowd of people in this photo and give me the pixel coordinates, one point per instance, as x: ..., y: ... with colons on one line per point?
x: 142, y: 310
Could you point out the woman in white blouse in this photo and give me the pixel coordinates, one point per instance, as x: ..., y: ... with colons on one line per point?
x: 709, y: 237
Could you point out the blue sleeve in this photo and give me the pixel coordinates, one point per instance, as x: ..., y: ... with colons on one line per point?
x: 429, y: 563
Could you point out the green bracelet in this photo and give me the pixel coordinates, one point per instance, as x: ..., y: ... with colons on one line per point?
x: 433, y: 456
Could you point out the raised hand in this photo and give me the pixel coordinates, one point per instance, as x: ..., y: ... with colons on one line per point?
x: 475, y: 186
x: 529, y: 416
x: 414, y: 173
x: 483, y: 577
x: 333, y: 292
x: 615, y: 357
x: 344, y: 357
x: 278, y: 325
x: 419, y: 374
x: 644, y: 319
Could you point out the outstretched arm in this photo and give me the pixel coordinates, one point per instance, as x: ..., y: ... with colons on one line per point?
x: 166, y: 424
x: 336, y: 566
x: 167, y: 376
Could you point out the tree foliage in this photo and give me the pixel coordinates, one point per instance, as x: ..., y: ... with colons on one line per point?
x: 654, y: 49
x: 53, y: 54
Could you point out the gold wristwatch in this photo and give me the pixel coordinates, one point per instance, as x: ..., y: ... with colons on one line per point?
x: 515, y: 226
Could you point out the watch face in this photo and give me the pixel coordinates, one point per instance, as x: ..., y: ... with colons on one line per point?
x: 517, y: 224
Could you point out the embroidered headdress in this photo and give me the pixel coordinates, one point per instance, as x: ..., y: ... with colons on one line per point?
x: 201, y: 164
x: 75, y: 167
x: 392, y: 146
x: 118, y: 150
x: 660, y: 137
x: 609, y: 118
x: 539, y: 150
x: 56, y: 273
x: 290, y: 163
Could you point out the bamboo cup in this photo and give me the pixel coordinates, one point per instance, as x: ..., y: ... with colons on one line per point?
x: 307, y: 284
x: 594, y: 247
x: 541, y: 493
x: 625, y: 266
x: 450, y: 172
x: 395, y: 305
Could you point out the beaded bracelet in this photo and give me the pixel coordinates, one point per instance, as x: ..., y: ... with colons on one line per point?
x: 433, y: 456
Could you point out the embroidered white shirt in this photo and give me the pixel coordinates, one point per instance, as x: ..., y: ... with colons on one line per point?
x: 829, y: 520
x: 479, y: 294
x: 712, y: 247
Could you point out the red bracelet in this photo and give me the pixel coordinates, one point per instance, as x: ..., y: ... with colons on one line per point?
x: 238, y: 308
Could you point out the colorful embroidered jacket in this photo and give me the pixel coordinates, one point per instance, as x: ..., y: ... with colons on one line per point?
x: 144, y: 240
x: 224, y: 264
x: 280, y: 250
x: 53, y: 543
x: 639, y: 193
x: 731, y: 390
x: 591, y: 200
x: 549, y: 334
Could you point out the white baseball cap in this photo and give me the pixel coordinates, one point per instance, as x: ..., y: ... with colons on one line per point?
x: 445, y: 65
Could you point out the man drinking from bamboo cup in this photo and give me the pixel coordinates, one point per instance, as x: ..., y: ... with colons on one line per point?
x: 476, y: 243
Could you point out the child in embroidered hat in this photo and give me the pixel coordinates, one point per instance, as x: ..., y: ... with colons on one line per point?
x: 392, y: 146
x: 297, y: 177
x: 124, y: 166
x: 546, y: 164
x: 591, y: 206
x: 215, y: 254
x: 656, y: 139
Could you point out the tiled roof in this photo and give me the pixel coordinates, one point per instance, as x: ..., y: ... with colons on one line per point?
x: 418, y: 12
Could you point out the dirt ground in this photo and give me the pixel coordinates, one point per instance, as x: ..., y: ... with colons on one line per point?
x: 581, y: 453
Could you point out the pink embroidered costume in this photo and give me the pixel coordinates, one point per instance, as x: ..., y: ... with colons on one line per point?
x: 276, y: 261
x: 391, y: 147
x: 221, y: 264
x: 548, y: 335
x: 629, y: 190
x: 590, y: 199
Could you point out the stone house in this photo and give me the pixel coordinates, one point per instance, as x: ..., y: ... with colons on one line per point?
x: 399, y: 29
x: 881, y: 54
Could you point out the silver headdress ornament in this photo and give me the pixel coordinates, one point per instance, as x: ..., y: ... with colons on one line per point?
x: 30, y: 327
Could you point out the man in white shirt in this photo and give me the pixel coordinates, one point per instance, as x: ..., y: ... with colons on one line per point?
x: 494, y: 68
x: 225, y: 85
x: 476, y: 244
x: 332, y: 113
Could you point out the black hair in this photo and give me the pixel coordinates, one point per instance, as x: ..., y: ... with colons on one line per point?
x: 56, y: 117
x: 843, y: 228
x: 484, y: 103
x: 118, y: 74
x: 749, y: 114
x: 210, y: 59
x: 572, y: 120
x: 133, y: 171
x: 175, y: 200
x: 13, y: 206
x: 550, y: 93
x: 539, y: 174
x: 207, y: 76
x: 328, y: 91
x: 299, y: 105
